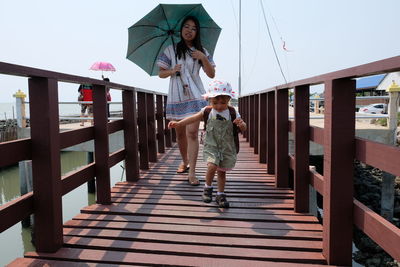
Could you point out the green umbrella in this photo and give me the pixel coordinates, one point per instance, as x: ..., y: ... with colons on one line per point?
x: 161, y: 27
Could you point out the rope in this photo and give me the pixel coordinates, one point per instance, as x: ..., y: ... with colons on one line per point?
x: 272, y: 41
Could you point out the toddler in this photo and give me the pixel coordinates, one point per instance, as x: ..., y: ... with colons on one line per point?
x: 221, y: 143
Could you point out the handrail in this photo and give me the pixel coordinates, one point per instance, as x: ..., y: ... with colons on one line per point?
x: 24, y: 71
x: 377, y: 67
x: 46, y: 141
x: 269, y: 108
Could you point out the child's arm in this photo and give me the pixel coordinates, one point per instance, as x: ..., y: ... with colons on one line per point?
x: 194, y: 118
x: 241, y: 124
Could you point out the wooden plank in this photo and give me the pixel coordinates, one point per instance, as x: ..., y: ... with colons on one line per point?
x: 143, y: 131
x: 193, y: 190
x: 204, y: 208
x: 130, y: 135
x: 339, y: 149
x: 101, y: 145
x: 160, y: 124
x: 371, y: 152
x: 15, y: 211
x: 14, y: 151
x: 31, y: 262
x: 245, y: 202
x: 122, y: 257
x: 116, y: 157
x: 301, y: 147
x: 384, y: 233
x: 198, y: 221
x: 265, y: 243
x: 151, y: 127
x: 46, y: 164
x: 281, y: 138
x: 187, y: 211
x: 168, y: 132
x: 256, y: 122
x: 317, y: 135
x: 76, y: 178
x: 262, y: 123
x: 74, y: 137
x: 208, y: 251
x: 115, y: 126
x: 234, y: 202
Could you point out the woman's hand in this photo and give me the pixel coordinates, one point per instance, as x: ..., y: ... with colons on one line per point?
x: 173, y: 124
x: 164, y: 73
x: 241, y: 124
x: 197, y: 54
x: 177, y: 68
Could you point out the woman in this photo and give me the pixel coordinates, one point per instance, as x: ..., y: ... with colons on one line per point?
x: 182, y: 64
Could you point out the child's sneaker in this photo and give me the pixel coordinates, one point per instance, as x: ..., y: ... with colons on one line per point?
x: 207, y: 194
x: 221, y: 201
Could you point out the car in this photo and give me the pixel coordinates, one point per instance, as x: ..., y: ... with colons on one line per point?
x: 377, y: 108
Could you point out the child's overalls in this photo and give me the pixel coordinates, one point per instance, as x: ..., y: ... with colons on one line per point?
x: 219, y: 143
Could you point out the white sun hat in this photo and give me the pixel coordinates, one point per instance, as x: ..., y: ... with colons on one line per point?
x: 217, y: 87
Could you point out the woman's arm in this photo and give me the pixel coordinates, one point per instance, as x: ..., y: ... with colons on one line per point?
x: 194, y: 118
x: 164, y: 73
x: 207, y: 67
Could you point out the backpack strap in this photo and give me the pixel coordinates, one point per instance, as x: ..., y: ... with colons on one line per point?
x: 236, y: 129
x: 206, y: 113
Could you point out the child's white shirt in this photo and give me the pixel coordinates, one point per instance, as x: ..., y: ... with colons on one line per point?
x: 225, y: 113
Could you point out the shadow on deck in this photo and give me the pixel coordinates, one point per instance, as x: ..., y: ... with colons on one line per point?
x: 161, y: 220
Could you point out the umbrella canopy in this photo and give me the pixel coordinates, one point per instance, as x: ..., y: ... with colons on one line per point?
x: 161, y: 27
x: 103, y: 66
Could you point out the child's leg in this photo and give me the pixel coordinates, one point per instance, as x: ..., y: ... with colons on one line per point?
x: 221, y: 196
x: 221, y: 181
x: 211, y: 169
x: 208, y: 189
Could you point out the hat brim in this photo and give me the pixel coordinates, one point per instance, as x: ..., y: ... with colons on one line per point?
x: 208, y: 95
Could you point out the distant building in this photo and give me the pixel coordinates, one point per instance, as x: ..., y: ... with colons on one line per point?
x: 376, y: 85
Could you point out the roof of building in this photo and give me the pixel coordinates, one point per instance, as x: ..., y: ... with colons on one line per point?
x: 370, y: 81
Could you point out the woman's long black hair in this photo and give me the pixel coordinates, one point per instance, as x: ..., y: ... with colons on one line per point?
x: 181, y: 47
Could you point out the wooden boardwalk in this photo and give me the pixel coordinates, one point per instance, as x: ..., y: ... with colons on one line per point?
x: 161, y: 220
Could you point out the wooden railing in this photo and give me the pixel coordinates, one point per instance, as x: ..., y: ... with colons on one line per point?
x: 267, y: 114
x: 144, y: 116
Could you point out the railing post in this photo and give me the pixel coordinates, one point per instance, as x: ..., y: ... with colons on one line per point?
x: 142, y: 124
x: 256, y: 122
x: 151, y: 128
x: 252, y: 120
x: 101, y: 145
x: 301, y: 149
x: 339, y: 145
x: 130, y: 135
x: 46, y: 165
x: 247, y: 109
x: 271, y: 132
x: 160, y: 124
x: 281, y: 138
x: 262, y: 125
x: 168, y: 132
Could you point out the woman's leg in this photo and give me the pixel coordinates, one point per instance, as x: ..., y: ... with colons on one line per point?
x: 192, y: 133
x: 182, y: 143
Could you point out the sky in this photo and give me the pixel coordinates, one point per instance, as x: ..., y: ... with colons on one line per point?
x: 321, y: 36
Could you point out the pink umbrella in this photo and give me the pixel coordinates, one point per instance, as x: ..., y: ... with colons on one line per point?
x: 103, y: 66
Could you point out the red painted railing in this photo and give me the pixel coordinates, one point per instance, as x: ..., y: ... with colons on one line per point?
x: 46, y: 141
x: 267, y: 114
